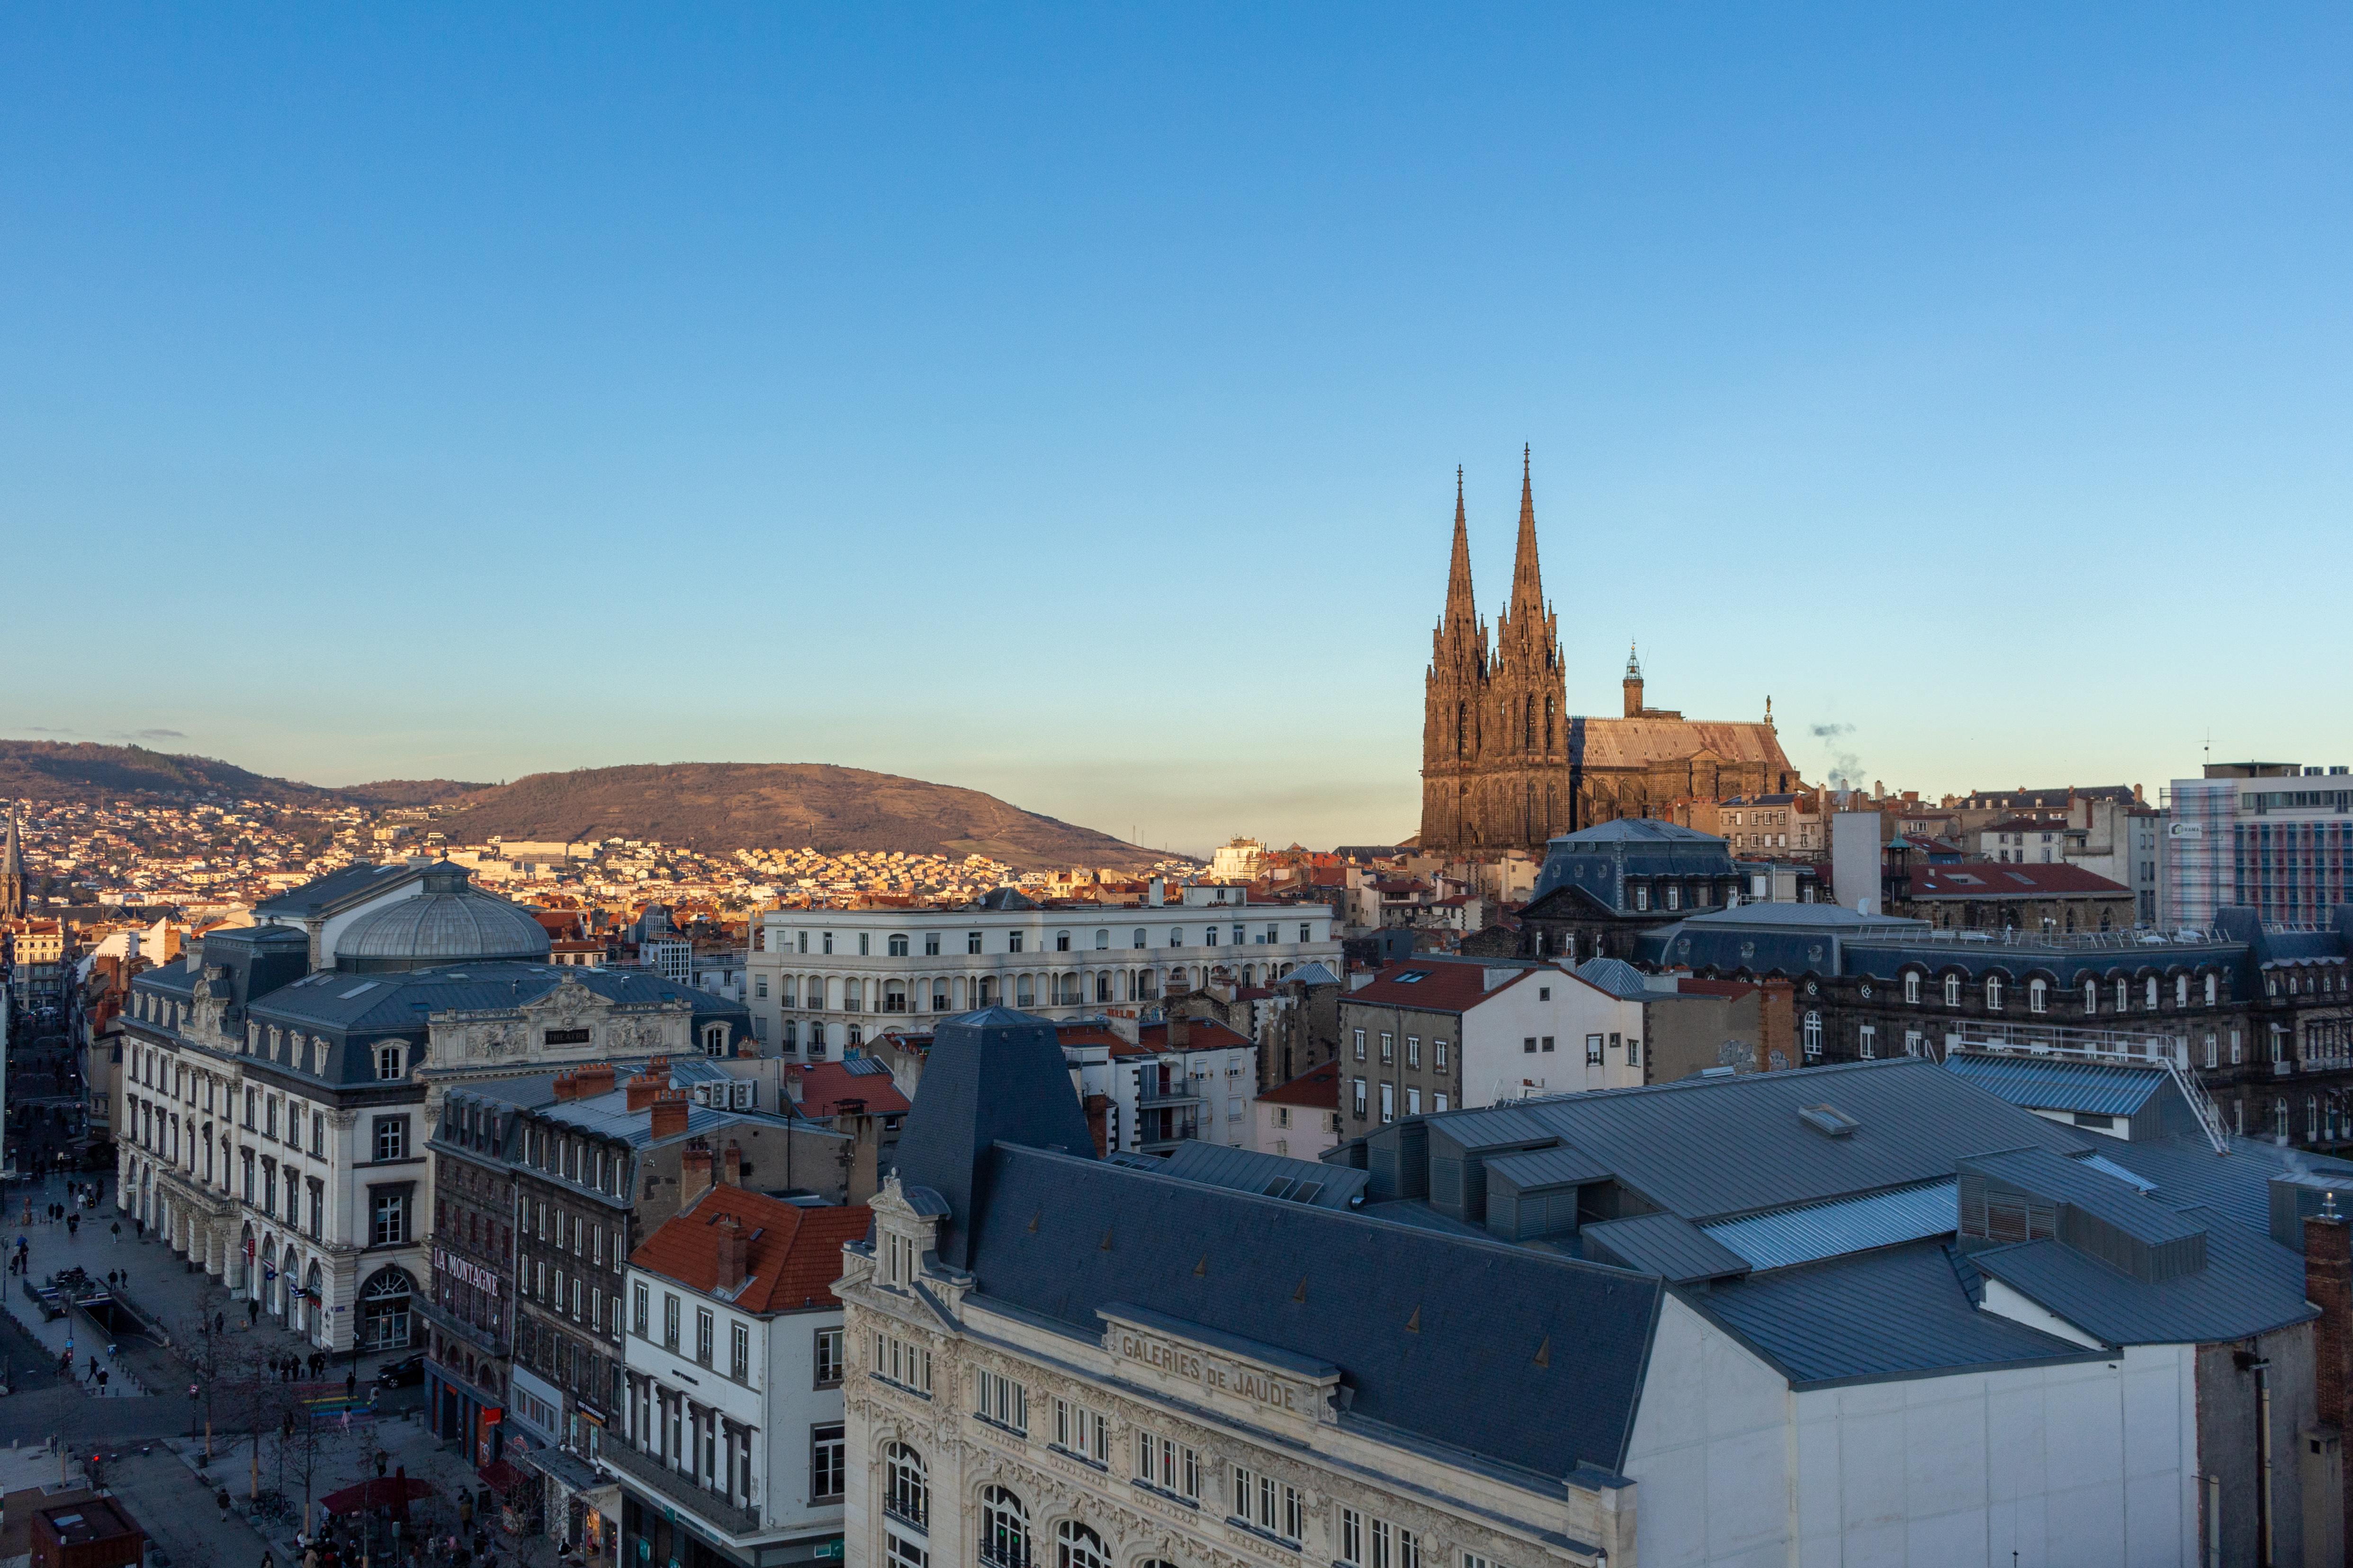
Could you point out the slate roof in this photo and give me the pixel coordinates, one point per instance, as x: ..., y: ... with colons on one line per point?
x: 338, y: 889
x: 1993, y: 879
x: 401, y: 1001
x: 2093, y: 1087
x: 1063, y: 1237
x: 792, y: 1258
x: 1248, y: 1171
x: 1900, y: 1312
x: 1619, y: 978
x: 992, y: 1074
x: 2251, y: 1285
x: 1810, y: 1232
x: 1661, y: 1244
x: 1717, y: 1148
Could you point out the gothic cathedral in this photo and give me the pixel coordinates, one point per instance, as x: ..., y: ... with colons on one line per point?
x: 1505, y: 766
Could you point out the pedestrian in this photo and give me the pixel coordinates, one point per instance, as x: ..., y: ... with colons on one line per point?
x: 351, y: 1384
x: 118, y: 1232
x: 102, y: 1382
x: 317, y: 1363
x: 252, y: 1312
x: 73, y: 1225
x: 221, y: 1497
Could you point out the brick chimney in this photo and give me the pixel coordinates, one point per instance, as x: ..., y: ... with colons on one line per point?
x: 596, y: 1079
x: 734, y: 1249
x: 2328, y: 1285
x: 693, y: 1172
x: 1180, y: 1030
x: 730, y: 1164
x: 670, y: 1108
x: 643, y: 1089
x: 567, y: 1086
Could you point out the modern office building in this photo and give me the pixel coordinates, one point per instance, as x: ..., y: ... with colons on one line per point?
x: 2276, y: 837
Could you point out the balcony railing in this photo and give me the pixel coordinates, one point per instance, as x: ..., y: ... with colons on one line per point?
x: 1155, y: 1099
x: 679, y: 1489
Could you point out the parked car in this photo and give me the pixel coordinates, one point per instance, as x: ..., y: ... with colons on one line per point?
x: 405, y: 1372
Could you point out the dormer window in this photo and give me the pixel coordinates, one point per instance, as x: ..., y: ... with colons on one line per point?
x: 391, y: 1061
x: 900, y: 1259
x: 1952, y: 990
x: 1993, y: 993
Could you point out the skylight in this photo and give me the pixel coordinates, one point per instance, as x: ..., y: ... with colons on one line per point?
x: 1413, y: 976
x: 362, y: 985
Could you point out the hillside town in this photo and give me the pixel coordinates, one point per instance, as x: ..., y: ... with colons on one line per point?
x: 665, y: 1178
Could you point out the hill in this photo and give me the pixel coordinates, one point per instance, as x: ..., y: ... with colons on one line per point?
x: 715, y: 807
x: 83, y: 774
x: 722, y: 807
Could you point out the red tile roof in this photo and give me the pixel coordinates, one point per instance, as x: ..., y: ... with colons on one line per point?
x: 1993, y: 879
x: 824, y: 1085
x: 1317, y: 1088
x: 1203, y: 1034
x: 793, y: 1256
x: 1442, y: 986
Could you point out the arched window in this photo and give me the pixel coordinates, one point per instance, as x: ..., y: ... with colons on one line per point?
x: 1102, y: 940
x: 2124, y: 995
x: 1142, y: 939
x: 1062, y: 942
x: 1460, y: 727
x: 2091, y: 995
x: 1547, y: 733
x: 1024, y: 992
x: 383, y: 1310
x: 2149, y: 991
x: 1528, y: 727
x: 2312, y: 1119
x: 1076, y: 1546
x: 2279, y: 1119
x: 1993, y: 993
x: 2181, y: 991
x: 898, y: 944
x: 1004, y: 1530
x: 1175, y: 936
x: 1912, y: 986
x: 906, y: 1490
x: 2036, y: 995
x: 2213, y: 990
x: 895, y: 996
x: 715, y: 1041
x: 1952, y: 990
x: 1813, y: 1034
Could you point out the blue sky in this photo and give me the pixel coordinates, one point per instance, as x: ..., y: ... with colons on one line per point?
x: 1067, y: 401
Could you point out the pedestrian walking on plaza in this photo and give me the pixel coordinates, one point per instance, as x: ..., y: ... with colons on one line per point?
x: 317, y: 1363
x: 73, y: 1225
x: 351, y: 1384
x: 252, y: 1312
x: 221, y: 1497
x: 102, y: 1382
x: 118, y: 1232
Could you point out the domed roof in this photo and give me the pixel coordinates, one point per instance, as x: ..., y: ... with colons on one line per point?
x: 451, y: 921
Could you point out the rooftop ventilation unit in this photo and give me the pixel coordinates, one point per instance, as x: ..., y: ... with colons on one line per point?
x: 1827, y: 1120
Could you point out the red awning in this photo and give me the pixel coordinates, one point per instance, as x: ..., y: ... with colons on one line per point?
x: 500, y: 1476
x: 390, y: 1491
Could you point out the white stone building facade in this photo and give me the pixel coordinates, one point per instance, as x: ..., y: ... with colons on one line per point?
x: 822, y: 980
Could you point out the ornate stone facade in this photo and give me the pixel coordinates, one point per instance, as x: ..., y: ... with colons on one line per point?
x: 1504, y: 764
x: 976, y: 1435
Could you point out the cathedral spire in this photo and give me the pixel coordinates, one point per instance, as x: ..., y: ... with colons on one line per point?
x: 12, y: 871
x: 1528, y: 579
x: 1461, y: 608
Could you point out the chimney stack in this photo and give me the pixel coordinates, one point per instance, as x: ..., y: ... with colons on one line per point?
x: 693, y: 1172
x: 567, y: 1086
x: 734, y: 1249
x: 670, y: 1108
x: 1180, y: 1030
x: 730, y: 1164
x: 1155, y: 893
x: 597, y: 1078
x: 644, y: 1089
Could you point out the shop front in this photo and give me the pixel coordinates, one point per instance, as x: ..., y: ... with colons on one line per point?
x: 464, y: 1414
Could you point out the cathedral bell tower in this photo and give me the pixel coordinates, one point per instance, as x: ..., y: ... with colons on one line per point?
x: 1496, y: 733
